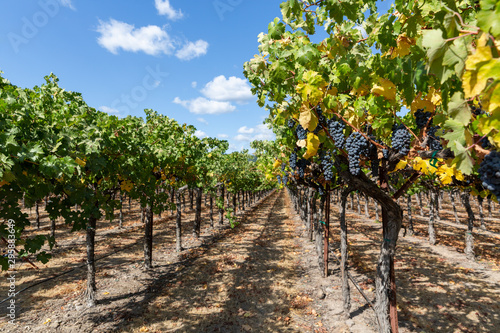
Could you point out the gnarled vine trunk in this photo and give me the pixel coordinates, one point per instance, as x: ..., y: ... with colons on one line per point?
x: 197, y: 215
x: 469, y: 238
x: 148, y: 237
x: 178, y: 222
x: 90, y: 292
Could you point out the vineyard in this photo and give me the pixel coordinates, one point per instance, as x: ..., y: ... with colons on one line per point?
x: 375, y: 209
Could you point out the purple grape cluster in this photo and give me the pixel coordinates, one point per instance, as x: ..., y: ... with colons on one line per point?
x: 327, y: 164
x: 489, y: 172
x: 301, y: 132
x: 356, y: 145
x: 477, y: 111
x: 434, y: 143
x: 401, y: 139
x: 422, y: 118
x: 336, y: 129
x: 301, y: 165
x: 293, y: 160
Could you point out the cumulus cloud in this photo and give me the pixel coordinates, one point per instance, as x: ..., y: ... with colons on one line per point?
x: 241, y: 137
x: 192, y: 50
x: 200, y: 134
x: 151, y: 39
x: 194, y: 84
x: 222, y: 136
x: 109, y: 110
x: 202, y: 120
x: 164, y: 8
x: 231, y: 89
x: 260, y: 132
x: 202, y: 105
x: 246, y: 130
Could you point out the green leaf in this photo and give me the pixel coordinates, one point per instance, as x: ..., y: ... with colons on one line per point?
x: 458, y: 109
x: 488, y: 17
x: 457, y: 134
x: 463, y: 159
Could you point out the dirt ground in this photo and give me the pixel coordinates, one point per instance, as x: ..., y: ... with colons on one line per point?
x: 262, y: 276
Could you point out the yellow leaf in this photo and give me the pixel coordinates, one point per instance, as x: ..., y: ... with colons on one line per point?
x: 80, y: 162
x: 276, y: 164
x: 47, y: 321
x: 385, y: 88
x: 312, y: 88
x: 361, y: 91
x: 312, y: 145
x: 479, y: 68
x: 105, y: 293
x: 332, y: 91
x: 445, y: 174
x: 421, y: 165
x: 401, y: 165
x: 491, y: 100
x: 404, y: 43
x: 307, y: 118
x: 435, y: 96
x: 144, y: 329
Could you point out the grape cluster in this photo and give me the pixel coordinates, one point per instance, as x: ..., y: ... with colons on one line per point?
x: 336, y: 129
x: 321, y: 117
x: 301, y: 132
x: 489, y: 171
x: 291, y: 123
x: 301, y: 165
x: 485, y: 144
x: 327, y: 164
x: 477, y: 110
x: 285, y: 179
x: 356, y: 145
x: 293, y: 160
x: 422, y: 118
x: 279, y: 179
x: 401, y: 139
x: 434, y: 143
x: 283, y: 165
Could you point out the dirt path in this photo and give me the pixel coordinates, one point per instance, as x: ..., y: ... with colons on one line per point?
x: 439, y: 290
x: 228, y: 281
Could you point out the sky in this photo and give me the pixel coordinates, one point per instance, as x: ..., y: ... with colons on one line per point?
x: 183, y: 59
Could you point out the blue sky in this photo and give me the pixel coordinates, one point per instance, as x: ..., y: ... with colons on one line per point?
x: 183, y: 59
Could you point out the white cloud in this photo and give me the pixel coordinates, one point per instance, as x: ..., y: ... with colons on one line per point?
x: 151, y: 39
x: 109, y: 110
x: 201, y: 120
x: 200, y: 134
x: 194, y: 84
x: 260, y: 132
x: 241, y: 137
x: 67, y: 3
x: 202, y: 105
x: 222, y: 136
x: 192, y: 50
x: 246, y: 130
x: 232, y: 89
x: 164, y: 8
